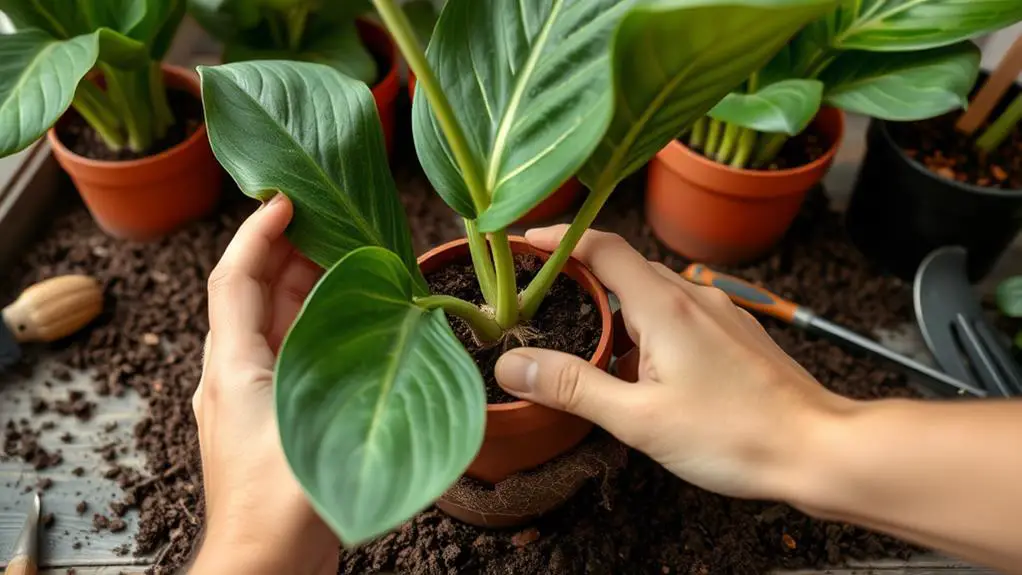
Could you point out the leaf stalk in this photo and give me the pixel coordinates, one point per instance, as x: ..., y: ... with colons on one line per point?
x: 483, y: 326
x: 994, y: 136
x: 482, y: 262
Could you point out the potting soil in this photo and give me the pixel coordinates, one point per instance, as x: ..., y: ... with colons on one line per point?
x: 149, y: 341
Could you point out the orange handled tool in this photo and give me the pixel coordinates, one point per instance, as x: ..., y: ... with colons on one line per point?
x: 761, y: 300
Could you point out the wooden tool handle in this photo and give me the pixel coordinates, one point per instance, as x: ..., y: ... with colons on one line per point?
x: 743, y: 293
x: 21, y: 565
x: 54, y: 308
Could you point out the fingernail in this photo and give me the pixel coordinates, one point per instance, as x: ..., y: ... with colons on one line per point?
x: 276, y: 199
x: 516, y: 372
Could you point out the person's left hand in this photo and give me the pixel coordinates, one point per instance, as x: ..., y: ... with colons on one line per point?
x: 257, y: 518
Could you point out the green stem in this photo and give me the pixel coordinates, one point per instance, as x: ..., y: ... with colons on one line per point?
x: 753, y: 84
x: 129, y: 92
x: 769, y: 147
x: 995, y: 135
x: 482, y: 262
x: 727, y: 145
x: 698, y: 135
x: 163, y: 117
x: 507, y: 289
x: 746, y: 143
x: 712, y: 138
x: 98, y: 111
x: 403, y: 34
x: 296, y: 19
x: 533, y: 295
x: 483, y: 326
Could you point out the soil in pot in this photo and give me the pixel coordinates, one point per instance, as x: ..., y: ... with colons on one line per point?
x: 84, y: 140
x: 945, y: 151
x: 567, y: 320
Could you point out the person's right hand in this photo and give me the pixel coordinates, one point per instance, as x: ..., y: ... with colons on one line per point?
x: 717, y: 402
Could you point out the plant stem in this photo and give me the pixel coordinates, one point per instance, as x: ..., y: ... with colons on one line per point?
x: 129, y: 92
x: 727, y: 145
x: 533, y: 295
x: 995, y: 135
x: 507, y: 289
x: 163, y: 117
x: 483, y: 326
x: 698, y: 135
x: 712, y: 138
x: 482, y: 262
x: 296, y: 19
x: 746, y: 143
x: 97, y: 110
x: 769, y: 147
x: 399, y: 27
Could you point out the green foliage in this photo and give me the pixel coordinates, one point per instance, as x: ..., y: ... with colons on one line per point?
x: 1009, y: 296
x: 321, y: 31
x: 786, y: 106
x: 380, y: 407
x: 57, y: 43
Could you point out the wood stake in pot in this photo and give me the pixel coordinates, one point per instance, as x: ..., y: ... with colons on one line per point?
x: 993, y: 90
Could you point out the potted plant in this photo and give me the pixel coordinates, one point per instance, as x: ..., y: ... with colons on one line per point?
x: 324, y: 31
x: 730, y: 192
x: 133, y: 142
x: 381, y: 404
x: 924, y: 185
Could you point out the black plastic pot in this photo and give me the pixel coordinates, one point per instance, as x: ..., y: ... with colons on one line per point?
x: 900, y: 211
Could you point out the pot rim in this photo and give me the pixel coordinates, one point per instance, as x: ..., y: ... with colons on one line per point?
x: 881, y: 126
x: 193, y: 86
x: 390, y: 55
x: 600, y: 297
x: 676, y: 147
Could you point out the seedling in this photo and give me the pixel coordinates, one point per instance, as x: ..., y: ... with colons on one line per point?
x: 380, y: 408
x: 889, y: 59
x: 57, y: 43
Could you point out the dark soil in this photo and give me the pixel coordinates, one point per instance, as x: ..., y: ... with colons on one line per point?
x: 941, y: 148
x: 803, y: 149
x: 82, y: 139
x: 567, y: 320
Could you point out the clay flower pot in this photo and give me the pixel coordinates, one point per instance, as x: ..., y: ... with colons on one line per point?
x: 900, y: 211
x: 380, y: 44
x: 149, y: 197
x: 522, y: 435
x: 717, y: 214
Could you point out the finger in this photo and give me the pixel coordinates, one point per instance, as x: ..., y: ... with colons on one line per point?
x: 669, y: 274
x: 236, y: 298
x: 568, y: 383
x: 297, y: 278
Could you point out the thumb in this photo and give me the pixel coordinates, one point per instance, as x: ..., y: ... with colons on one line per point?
x: 563, y: 381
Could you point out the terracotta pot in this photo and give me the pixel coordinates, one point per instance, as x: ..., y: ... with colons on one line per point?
x: 716, y: 214
x: 146, y: 198
x: 380, y: 44
x: 522, y: 435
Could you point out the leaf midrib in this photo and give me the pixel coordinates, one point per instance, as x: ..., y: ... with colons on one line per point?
x: 36, y: 60
x: 846, y: 86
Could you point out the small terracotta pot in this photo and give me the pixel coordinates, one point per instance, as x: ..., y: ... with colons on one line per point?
x: 716, y: 214
x: 522, y: 435
x: 380, y: 44
x: 146, y: 198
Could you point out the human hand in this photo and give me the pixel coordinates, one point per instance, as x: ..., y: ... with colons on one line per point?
x: 717, y: 402
x: 257, y: 517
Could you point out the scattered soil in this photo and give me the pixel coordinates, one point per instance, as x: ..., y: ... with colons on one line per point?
x: 803, y: 149
x: 21, y: 440
x: 941, y: 148
x: 82, y: 139
x: 46, y: 520
x: 75, y: 405
x: 567, y: 320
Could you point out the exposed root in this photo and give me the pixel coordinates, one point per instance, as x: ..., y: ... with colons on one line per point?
x: 523, y: 334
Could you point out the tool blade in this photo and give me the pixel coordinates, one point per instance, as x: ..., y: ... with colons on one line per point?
x: 10, y: 350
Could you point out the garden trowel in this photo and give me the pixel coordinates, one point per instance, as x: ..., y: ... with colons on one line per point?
x: 48, y: 311
x: 955, y: 330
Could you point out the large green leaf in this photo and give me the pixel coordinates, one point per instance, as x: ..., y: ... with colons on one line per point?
x: 674, y: 60
x: 529, y: 82
x: 61, y: 19
x: 785, y: 107
x: 1009, y: 296
x: 895, y: 25
x: 314, y: 134
x: 379, y: 406
x: 903, y: 86
x: 38, y: 78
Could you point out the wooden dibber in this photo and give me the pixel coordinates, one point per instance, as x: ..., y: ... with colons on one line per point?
x: 26, y: 549
x: 54, y: 308
x: 993, y: 90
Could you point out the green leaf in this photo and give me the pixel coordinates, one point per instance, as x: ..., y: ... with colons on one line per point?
x: 423, y: 16
x: 38, y: 78
x: 379, y: 406
x: 896, y: 25
x: 529, y: 83
x: 785, y: 107
x: 313, y: 134
x: 1009, y: 296
x: 663, y: 85
x: 903, y: 86
x: 338, y: 45
x: 59, y: 18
